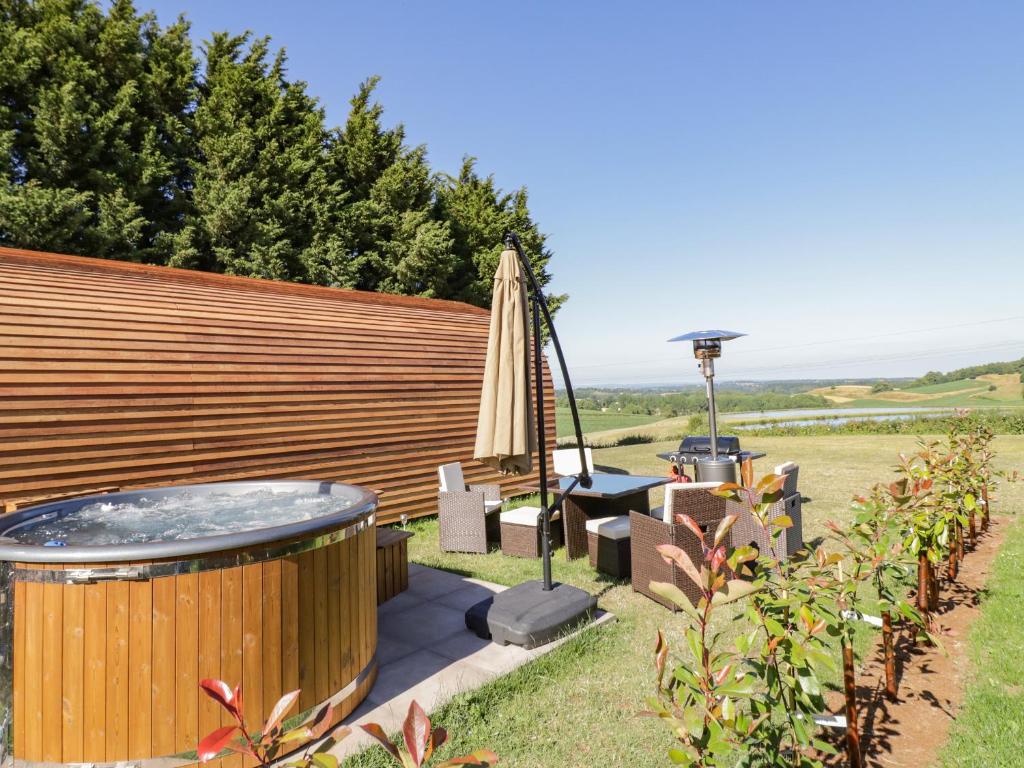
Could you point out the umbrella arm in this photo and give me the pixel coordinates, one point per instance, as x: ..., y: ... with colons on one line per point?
x: 512, y: 240
x: 540, y: 306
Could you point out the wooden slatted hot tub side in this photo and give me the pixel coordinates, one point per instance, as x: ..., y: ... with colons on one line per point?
x: 110, y: 671
x: 119, y: 375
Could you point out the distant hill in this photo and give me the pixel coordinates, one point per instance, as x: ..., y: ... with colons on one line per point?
x: 998, y: 383
x: 972, y: 372
x: 985, y: 390
x: 791, y: 386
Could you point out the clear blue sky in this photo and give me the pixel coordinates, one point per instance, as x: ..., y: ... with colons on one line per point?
x: 826, y: 175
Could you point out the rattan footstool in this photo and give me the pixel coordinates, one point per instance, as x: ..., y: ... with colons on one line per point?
x: 608, y: 545
x: 520, y: 534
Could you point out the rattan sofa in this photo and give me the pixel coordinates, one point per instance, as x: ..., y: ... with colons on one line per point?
x: 660, y: 527
x: 747, y: 529
x: 467, y: 514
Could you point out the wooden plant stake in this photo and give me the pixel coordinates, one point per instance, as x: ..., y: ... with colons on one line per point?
x: 890, y: 657
x: 952, y: 563
x: 984, y: 511
x: 972, y: 529
x: 959, y: 541
x: 850, y: 688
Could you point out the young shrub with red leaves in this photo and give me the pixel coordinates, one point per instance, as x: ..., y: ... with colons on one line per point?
x: 420, y: 741
x: 274, y: 741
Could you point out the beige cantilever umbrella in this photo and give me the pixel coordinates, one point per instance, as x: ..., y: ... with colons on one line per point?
x: 505, y: 435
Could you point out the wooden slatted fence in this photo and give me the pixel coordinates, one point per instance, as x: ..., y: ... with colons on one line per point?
x: 119, y: 375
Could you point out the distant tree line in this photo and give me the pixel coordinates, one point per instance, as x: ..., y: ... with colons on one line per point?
x: 118, y: 140
x: 694, y: 401
x: 971, y: 372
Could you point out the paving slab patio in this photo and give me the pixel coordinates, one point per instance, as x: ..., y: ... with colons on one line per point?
x: 425, y: 652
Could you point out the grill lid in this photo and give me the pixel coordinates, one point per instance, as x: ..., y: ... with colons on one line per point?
x: 700, y: 445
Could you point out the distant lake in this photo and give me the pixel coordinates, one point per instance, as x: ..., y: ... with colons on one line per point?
x: 834, y: 422
x: 841, y: 413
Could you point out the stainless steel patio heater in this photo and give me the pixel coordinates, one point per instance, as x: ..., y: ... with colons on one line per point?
x: 707, y: 345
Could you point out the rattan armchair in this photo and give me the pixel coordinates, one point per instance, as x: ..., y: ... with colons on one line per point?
x: 467, y: 514
x: 747, y: 530
x: 792, y: 472
x: 648, y: 531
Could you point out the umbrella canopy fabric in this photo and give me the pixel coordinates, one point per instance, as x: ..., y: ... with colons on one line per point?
x: 505, y: 434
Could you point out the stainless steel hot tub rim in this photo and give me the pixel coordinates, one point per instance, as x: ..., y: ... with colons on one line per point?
x: 362, y: 503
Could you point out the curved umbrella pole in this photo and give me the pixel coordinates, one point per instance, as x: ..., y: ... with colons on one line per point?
x: 540, y: 306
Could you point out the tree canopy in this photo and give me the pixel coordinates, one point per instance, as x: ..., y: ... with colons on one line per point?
x: 119, y: 138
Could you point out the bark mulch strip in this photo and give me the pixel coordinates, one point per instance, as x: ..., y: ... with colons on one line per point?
x: 912, y: 731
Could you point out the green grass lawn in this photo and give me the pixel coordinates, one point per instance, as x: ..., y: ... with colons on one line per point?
x: 579, y: 705
x: 599, y: 421
x: 989, y: 729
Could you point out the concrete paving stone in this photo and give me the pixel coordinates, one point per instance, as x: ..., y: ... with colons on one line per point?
x: 493, y: 587
x: 423, y: 625
x: 434, y: 691
x: 468, y: 595
x: 467, y: 647
x: 426, y: 653
x: 406, y: 673
x: 434, y: 583
x: 390, y: 649
x: 400, y: 602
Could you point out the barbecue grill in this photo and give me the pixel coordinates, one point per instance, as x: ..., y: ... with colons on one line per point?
x: 696, y: 448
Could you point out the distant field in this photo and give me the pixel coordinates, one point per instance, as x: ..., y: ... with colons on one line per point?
x: 843, y: 393
x: 599, y: 421
x: 949, y: 386
x: 964, y: 393
x: 1008, y: 386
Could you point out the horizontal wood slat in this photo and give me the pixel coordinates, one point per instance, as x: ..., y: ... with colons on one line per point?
x: 118, y: 375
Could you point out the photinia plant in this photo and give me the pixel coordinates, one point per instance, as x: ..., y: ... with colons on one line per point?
x: 873, y: 541
x: 754, y: 704
x: 792, y: 615
x: 700, y: 702
x: 269, y: 745
x: 273, y: 740
x: 420, y: 740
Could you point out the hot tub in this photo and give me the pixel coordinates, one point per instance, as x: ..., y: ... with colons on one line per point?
x: 116, y: 606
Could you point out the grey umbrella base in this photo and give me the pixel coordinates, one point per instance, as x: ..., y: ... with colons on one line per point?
x: 526, y: 615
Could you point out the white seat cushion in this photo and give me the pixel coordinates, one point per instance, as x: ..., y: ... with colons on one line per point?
x: 450, y: 477
x: 520, y: 516
x: 567, y: 461
x: 523, y: 516
x: 492, y: 506
x: 610, y: 527
x: 785, y: 468
x: 666, y: 512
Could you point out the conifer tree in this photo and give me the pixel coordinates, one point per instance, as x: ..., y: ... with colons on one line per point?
x: 385, y: 237
x: 93, y: 127
x: 113, y: 144
x: 480, y: 215
x: 258, y: 167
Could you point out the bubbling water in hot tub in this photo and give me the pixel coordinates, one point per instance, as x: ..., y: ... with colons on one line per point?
x: 178, y: 517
